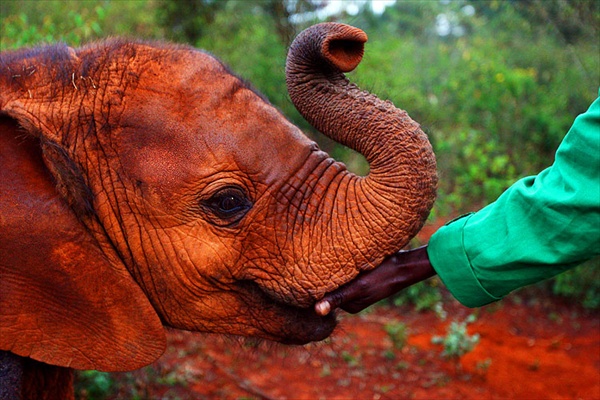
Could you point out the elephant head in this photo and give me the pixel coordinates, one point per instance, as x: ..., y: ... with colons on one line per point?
x: 143, y: 184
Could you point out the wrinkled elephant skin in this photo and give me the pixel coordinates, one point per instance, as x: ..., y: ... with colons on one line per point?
x: 143, y: 184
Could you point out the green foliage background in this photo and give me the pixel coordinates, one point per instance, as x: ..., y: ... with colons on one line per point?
x: 496, y: 94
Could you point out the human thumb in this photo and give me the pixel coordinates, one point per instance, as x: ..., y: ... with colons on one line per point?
x: 322, y: 308
x: 335, y: 299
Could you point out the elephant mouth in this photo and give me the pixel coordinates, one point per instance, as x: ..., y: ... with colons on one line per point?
x: 283, y: 322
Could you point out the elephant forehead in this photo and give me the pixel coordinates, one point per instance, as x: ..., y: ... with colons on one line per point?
x: 190, y: 132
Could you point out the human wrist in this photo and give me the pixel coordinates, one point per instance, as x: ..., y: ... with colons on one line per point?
x: 413, y: 266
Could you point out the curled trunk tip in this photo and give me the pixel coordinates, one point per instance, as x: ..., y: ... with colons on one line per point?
x: 345, y: 48
x: 340, y: 45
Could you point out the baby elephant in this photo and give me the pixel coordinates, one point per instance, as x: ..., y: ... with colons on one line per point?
x: 143, y: 184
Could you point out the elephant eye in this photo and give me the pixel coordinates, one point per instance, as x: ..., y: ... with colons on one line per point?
x: 228, y: 205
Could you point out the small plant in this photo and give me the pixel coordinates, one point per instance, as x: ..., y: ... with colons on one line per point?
x: 389, y: 354
x: 402, y: 366
x: 325, y: 371
x: 350, y: 359
x: 439, y: 311
x: 457, y: 341
x: 398, y: 333
x: 424, y: 295
x: 482, y: 367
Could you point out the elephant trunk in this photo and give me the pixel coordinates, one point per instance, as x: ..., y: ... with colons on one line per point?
x: 385, y: 209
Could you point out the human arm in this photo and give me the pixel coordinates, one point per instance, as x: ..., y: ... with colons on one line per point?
x: 540, y: 226
x: 397, y: 272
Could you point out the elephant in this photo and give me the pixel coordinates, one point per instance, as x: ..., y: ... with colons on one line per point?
x: 146, y: 185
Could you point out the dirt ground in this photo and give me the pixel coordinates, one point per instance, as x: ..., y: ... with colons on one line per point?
x: 528, y: 349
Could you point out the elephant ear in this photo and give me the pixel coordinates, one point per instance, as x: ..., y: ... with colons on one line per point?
x: 66, y: 299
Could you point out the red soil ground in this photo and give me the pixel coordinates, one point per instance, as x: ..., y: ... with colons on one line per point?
x: 528, y: 349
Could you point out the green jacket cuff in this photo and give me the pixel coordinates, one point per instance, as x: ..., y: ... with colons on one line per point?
x: 449, y: 259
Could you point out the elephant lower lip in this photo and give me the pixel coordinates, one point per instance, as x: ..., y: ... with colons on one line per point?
x: 308, y: 330
x: 290, y: 324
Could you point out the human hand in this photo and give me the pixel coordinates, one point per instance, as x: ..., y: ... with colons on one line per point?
x: 397, y: 272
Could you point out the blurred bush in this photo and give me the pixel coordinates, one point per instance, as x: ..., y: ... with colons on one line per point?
x: 28, y: 23
x: 581, y: 283
x: 94, y: 385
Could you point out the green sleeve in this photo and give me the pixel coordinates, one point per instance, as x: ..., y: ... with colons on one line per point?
x: 539, y: 227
